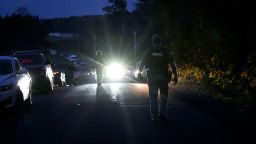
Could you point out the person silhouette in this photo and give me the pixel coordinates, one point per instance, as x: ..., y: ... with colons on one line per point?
x: 159, y: 62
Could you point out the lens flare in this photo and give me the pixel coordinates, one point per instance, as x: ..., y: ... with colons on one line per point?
x: 115, y: 71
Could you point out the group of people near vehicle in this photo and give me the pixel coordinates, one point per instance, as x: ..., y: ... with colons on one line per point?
x: 161, y: 70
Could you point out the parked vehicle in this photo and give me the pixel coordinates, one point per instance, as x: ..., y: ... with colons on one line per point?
x: 39, y: 68
x: 15, y: 83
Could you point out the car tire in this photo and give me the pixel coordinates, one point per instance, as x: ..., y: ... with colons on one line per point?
x: 64, y: 84
x: 19, y: 104
x: 47, y: 88
x: 29, y: 101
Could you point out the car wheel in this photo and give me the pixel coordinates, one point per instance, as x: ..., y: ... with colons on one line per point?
x: 48, y: 87
x: 29, y: 101
x: 63, y: 84
x: 19, y: 105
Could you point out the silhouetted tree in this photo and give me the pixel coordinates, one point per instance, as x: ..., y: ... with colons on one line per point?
x: 145, y: 7
x: 200, y: 29
x: 22, y: 11
x: 117, y: 7
x: 22, y: 32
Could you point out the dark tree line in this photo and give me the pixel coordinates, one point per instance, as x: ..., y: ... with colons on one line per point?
x: 212, y: 40
x: 203, y: 24
x: 117, y: 7
x: 21, y: 32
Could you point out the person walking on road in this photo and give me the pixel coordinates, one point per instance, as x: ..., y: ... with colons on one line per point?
x: 159, y: 63
x: 70, y: 74
x: 99, y: 67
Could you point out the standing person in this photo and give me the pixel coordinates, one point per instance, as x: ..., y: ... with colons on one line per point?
x: 159, y: 62
x: 99, y: 66
x: 70, y: 74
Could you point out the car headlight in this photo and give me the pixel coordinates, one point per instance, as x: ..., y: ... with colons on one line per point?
x: 136, y: 72
x: 6, y: 87
x: 55, y: 72
x: 115, y: 71
x: 49, y: 73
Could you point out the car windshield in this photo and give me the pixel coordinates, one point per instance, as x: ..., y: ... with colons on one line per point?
x: 6, y: 67
x: 30, y: 59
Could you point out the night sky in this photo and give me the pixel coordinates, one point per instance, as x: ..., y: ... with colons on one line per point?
x: 58, y: 8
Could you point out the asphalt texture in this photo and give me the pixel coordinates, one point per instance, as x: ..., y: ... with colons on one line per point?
x: 118, y: 113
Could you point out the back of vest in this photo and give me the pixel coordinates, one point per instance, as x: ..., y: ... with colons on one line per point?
x: 157, y: 62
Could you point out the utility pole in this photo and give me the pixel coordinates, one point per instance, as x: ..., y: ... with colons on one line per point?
x: 95, y: 44
x: 135, y: 45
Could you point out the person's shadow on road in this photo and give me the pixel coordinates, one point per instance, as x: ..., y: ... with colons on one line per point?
x: 102, y: 97
x: 105, y: 103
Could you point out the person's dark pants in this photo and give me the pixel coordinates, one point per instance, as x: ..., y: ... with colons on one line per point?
x: 70, y: 77
x: 155, y: 83
x: 99, y: 73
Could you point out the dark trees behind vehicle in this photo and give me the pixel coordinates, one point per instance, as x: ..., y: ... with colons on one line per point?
x: 21, y: 33
x: 198, y: 28
x: 117, y: 7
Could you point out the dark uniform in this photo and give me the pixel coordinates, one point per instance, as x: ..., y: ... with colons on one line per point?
x: 70, y: 74
x: 99, y: 67
x: 157, y: 60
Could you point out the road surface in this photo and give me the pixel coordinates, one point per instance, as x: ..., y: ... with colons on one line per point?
x: 118, y: 113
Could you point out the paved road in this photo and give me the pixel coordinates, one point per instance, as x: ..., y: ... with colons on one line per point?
x: 118, y: 114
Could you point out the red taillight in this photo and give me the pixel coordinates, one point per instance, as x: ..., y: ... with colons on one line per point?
x: 26, y: 61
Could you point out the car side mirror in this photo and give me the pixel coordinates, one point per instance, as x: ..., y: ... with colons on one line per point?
x: 22, y: 71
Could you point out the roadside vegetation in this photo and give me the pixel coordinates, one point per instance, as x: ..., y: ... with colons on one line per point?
x: 224, y: 85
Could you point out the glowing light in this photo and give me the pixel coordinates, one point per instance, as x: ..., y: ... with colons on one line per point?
x: 49, y: 72
x: 24, y: 83
x: 55, y: 73
x: 136, y: 72
x: 115, y: 71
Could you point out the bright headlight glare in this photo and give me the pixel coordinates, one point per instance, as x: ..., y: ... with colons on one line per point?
x: 24, y: 83
x: 115, y: 71
x: 49, y: 72
x: 137, y: 72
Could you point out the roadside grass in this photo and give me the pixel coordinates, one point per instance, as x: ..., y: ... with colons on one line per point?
x: 192, y: 79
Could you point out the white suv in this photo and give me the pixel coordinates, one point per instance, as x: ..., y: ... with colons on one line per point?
x: 15, y: 83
